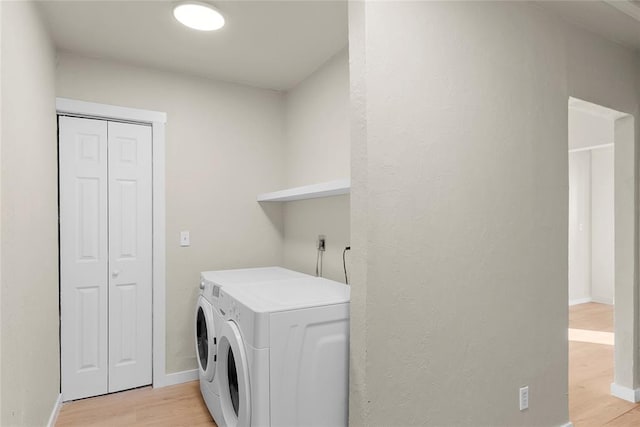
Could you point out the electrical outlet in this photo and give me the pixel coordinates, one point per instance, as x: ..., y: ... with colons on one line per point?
x: 321, y: 242
x: 524, y: 398
x: 185, y: 240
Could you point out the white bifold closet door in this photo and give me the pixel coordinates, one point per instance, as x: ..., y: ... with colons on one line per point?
x: 105, y: 256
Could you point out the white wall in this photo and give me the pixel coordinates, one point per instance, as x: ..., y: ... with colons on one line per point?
x: 317, y: 149
x: 317, y: 125
x: 460, y: 204
x: 602, y: 225
x: 303, y: 221
x: 29, y: 245
x: 580, y: 227
x: 224, y: 147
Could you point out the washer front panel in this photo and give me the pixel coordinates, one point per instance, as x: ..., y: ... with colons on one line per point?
x: 235, y: 393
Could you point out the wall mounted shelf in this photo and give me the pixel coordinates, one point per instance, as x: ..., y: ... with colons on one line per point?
x: 314, y: 191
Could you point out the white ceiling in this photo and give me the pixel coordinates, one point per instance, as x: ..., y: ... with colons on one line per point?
x: 267, y: 44
x: 617, y: 20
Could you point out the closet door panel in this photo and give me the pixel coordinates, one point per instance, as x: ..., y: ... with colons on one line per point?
x: 83, y: 256
x: 130, y: 255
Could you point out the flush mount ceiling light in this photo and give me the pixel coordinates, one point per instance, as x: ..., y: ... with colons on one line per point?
x: 199, y: 16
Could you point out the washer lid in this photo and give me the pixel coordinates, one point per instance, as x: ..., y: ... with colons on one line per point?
x: 250, y: 275
x: 286, y: 295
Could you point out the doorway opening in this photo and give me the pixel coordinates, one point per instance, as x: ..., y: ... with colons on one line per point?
x: 601, y: 258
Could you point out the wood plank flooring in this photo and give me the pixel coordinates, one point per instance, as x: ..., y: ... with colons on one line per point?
x: 179, y: 405
x: 591, y: 373
x: 591, y: 316
x: 590, y: 402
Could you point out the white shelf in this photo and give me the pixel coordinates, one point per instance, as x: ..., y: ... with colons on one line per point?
x: 314, y: 191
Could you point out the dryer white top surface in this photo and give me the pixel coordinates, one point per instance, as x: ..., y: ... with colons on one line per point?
x: 286, y: 295
x: 250, y: 275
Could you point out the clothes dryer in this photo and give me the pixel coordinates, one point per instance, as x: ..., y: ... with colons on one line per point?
x: 283, y: 354
x: 209, y: 320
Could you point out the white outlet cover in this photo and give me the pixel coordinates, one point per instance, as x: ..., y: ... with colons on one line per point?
x: 524, y: 398
x: 185, y: 240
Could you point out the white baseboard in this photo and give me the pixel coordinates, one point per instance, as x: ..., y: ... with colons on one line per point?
x: 625, y: 393
x: 579, y: 301
x: 55, y: 411
x: 569, y: 424
x: 602, y: 300
x: 178, y: 378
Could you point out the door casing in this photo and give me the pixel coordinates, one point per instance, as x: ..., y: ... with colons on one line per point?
x: 157, y: 120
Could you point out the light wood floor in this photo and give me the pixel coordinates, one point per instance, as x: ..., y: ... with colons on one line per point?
x: 590, y: 402
x: 179, y: 405
x: 591, y: 373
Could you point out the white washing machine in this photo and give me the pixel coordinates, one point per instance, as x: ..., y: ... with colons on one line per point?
x: 209, y: 321
x: 283, y: 354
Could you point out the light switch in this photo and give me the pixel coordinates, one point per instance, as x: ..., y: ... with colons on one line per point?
x: 184, y: 238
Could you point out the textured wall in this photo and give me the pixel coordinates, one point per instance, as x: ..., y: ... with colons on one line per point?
x: 223, y: 147
x: 359, y: 405
x: 626, y: 361
x: 459, y: 204
x: 29, y: 323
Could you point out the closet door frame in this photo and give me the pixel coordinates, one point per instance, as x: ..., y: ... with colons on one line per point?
x: 157, y: 120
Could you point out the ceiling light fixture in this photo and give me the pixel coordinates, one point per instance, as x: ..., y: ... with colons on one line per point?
x: 199, y: 16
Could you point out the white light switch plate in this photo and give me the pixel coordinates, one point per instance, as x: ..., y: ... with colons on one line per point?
x: 185, y: 239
